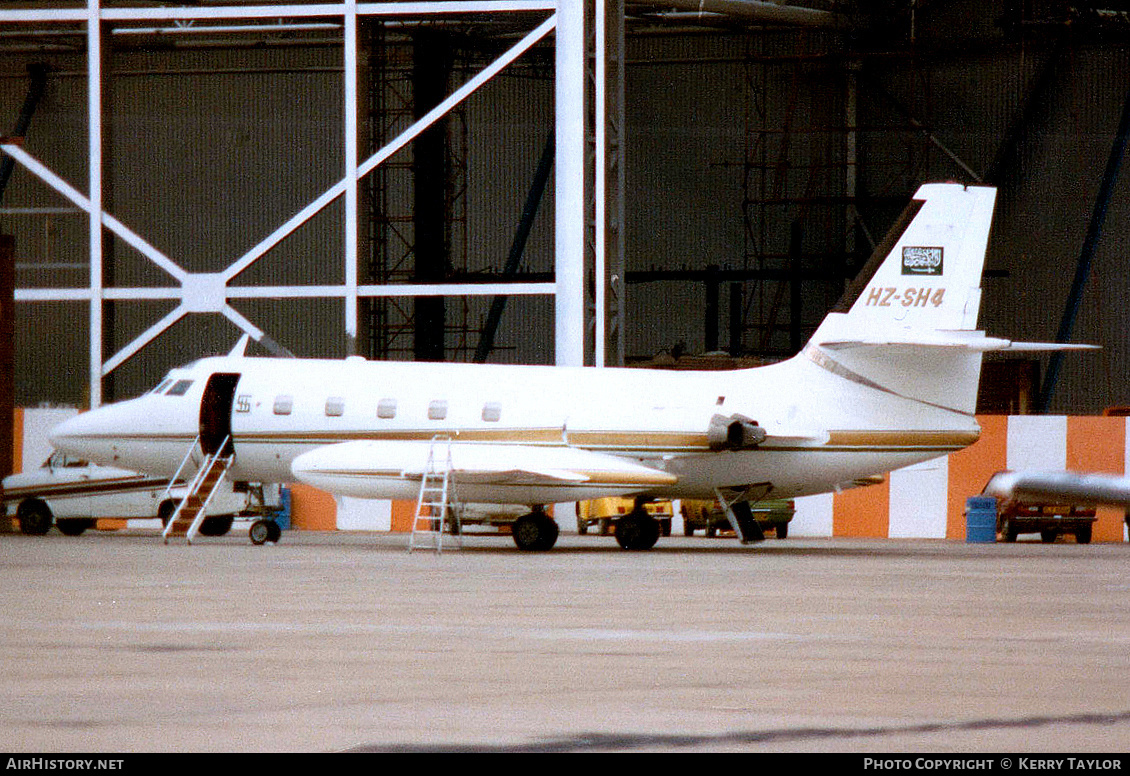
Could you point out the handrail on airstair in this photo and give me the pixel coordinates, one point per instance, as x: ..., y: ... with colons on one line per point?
x: 207, y: 467
x: 173, y: 480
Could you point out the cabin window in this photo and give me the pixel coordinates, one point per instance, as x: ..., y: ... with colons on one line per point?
x: 283, y: 405
x: 492, y: 412
x: 386, y: 408
x: 180, y: 388
x: 437, y: 410
x: 335, y: 407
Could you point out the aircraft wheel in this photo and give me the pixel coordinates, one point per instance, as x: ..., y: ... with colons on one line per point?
x: 549, y: 532
x: 454, y: 522
x: 166, y: 510
x: 74, y: 526
x: 1008, y: 531
x: 782, y: 530
x: 216, y: 526
x: 1083, y: 535
x: 35, y: 518
x: 535, y: 532
x: 637, y: 531
x: 263, y: 531
x: 1047, y: 536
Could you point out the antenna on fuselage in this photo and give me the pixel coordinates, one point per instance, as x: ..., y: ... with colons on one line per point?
x: 240, y: 349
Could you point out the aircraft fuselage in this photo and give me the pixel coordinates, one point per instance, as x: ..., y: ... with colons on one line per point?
x: 823, y: 433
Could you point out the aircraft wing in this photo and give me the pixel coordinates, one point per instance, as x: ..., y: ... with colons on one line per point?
x: 488, y: 472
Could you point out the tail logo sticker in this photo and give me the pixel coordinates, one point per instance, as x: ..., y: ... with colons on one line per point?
x: 921, y: 261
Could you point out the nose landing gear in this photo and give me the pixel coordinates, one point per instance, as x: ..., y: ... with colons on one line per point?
x: 263, y: 531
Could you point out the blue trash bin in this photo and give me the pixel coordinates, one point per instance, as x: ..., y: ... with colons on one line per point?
x: 980, y: 519
x: 282, y: 517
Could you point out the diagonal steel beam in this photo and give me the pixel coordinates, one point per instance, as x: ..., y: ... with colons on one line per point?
x: 370, y: 164
x: 143, y: 339
x: 41, y: 171
x: 189, y: 288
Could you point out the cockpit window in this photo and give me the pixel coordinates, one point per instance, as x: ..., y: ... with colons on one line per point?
x: 180, y: 388
x: 162, y: 386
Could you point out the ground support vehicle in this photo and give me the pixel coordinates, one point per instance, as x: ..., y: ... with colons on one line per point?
x: 498, y: 516
x: 531, y: 529
x: 604, y: 513
x: 1048, y: 520
x: 1048, y: 503
x: 771, y: 515
x: 72, y: 494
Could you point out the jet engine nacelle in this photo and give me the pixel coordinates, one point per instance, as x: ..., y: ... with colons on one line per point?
x: 736, y: 432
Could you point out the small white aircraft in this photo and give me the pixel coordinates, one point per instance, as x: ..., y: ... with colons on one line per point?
x: 889, y: 379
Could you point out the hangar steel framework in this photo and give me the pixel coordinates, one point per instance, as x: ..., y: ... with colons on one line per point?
x: 580, y: 183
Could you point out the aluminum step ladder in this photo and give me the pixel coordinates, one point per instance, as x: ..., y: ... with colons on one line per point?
x: 437, y: 505
x: 193, y: 508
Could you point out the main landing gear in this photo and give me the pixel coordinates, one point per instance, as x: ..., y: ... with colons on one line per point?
x: 535, y: 532
x: 637, y: 530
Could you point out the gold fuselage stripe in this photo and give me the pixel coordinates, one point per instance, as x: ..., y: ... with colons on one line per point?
x: 643, y: 442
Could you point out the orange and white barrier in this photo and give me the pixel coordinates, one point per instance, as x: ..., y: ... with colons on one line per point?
x: 29, y: 435
x: 927, y: 500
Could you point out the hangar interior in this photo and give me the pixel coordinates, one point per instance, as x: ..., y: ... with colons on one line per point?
x: 754, y: 154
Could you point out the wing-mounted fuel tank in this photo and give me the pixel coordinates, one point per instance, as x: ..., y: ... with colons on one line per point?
x: 735, y: 432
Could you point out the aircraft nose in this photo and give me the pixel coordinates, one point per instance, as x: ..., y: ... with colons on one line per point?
x: 69, y: 433
x: 86, y: 435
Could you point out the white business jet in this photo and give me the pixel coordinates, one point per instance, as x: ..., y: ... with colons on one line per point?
x: 889, y: 379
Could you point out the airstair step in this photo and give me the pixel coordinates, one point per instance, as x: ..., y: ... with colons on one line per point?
x: 192, y: 510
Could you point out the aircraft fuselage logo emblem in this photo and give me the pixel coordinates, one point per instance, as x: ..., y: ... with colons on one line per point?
x: 921, y: 261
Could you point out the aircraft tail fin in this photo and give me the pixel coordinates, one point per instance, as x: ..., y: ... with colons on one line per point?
x: 926, y: 274
x: 908, y: 323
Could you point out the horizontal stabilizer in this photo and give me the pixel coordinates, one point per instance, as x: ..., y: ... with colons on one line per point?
x: 1021, y: 347
x: 976, y: 344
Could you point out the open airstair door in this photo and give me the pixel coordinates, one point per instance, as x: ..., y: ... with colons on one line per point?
x: 219, y: 452
x: 215, y: 413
